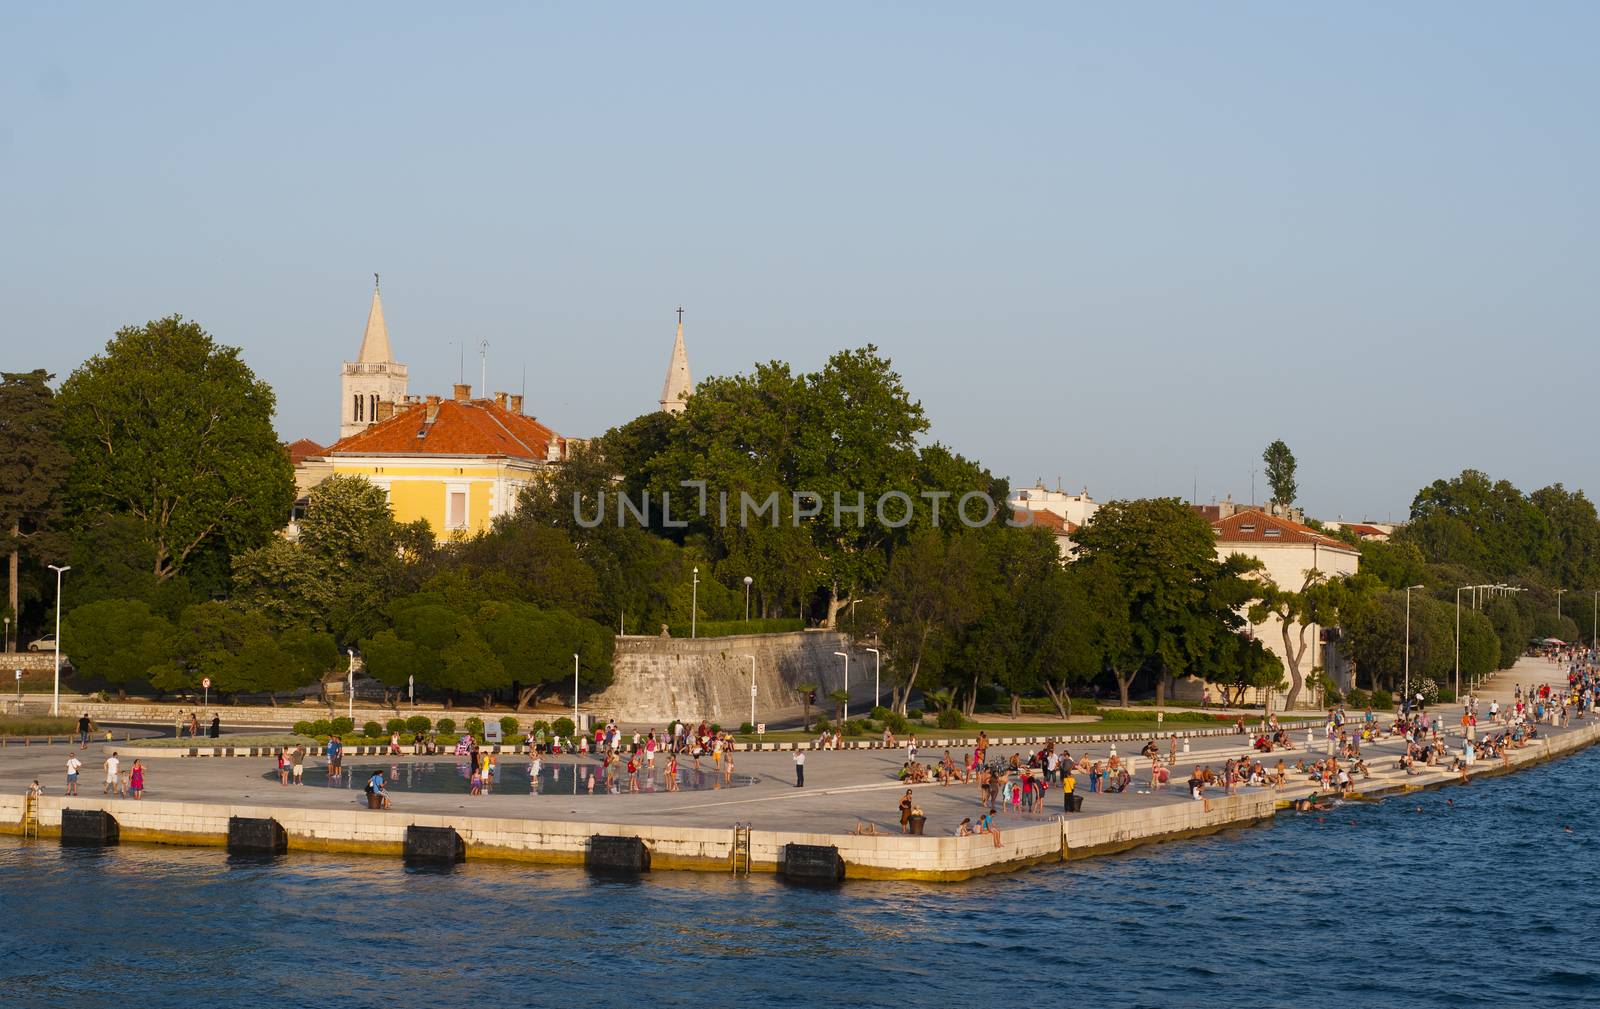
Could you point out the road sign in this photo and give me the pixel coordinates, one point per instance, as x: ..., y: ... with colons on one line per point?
x: 206, y: 683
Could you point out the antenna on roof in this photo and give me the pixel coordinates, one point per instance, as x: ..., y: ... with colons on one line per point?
x: 524, y: 381
x: 483, y: 365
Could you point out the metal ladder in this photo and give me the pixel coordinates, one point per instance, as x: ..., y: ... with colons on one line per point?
x: 30, y: 817
x: 741, y: 849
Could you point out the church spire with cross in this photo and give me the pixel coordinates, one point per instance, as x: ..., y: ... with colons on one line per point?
x: 374, y: 378
x: 678, y: 387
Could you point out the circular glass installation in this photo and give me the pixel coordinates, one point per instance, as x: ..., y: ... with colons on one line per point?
x: 512, y: 777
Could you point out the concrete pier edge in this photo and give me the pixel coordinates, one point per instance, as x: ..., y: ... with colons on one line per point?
x: 710, y: 849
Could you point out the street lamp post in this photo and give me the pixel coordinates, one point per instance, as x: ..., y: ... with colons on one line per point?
x: 1559, y: 594
x: 1458, y: 639
x: 1406, y: 696
x: 575, y: 693
x: 350, y: 687
x: 846, y: 657
x: 694, y: 602
x: 747, y: 582
x: 7, y: 646
x: 55, y: 705
x: 752, y: 659
x: 877, y: 667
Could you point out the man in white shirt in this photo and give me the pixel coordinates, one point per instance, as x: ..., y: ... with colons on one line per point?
x: 74, y: 765
x: 799, y: 768
x: 112, y: 763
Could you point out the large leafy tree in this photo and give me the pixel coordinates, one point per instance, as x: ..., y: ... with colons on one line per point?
x: 1317, y: 601
x: 236, y: 649
x: 1479, y: 523
x: 1180, y: 598
x: 929, y: 598
x: 349, y: 559
x: 118, y: 641
x: 35, y: 462
x: 1574, y: 535
x: 174, y: 429
x: 536, y: 647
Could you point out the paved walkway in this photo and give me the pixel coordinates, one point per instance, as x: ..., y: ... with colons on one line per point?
x: 842, y: 787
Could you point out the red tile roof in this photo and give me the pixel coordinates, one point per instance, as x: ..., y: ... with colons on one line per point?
x: 301, y: 449
x: 475, y: 427
x: 1251, y: 526
x: 1362, y: 529
x: 1047, y: 519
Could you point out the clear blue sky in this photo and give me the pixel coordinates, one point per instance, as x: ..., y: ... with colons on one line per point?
x: 1126, y: 245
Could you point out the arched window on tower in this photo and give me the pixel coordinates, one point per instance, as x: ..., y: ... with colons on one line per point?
x: 356, y: 414
x: 373, y: 404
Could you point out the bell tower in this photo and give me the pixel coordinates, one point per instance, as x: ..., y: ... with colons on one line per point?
x: 373, y: 377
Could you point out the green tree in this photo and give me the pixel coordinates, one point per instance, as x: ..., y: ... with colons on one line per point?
x: 1574, y: 535
x: 1479, y: 523
x: 926, y: 601
x: 349, y: 558
x: 170, y: 427
x: 536, y: 647
x: 236, y: 649
x: 35, y: 462
x: 118, y: 641
x: 1317, y: 601
x: 1280, y: 473
x: 1179, y: 596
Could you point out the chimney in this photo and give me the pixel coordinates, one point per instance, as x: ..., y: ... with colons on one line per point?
x: 432, y: 408
x: 385, y: 410
x: 500, y: 400
x: 463, y: 392
x: 516, y: 403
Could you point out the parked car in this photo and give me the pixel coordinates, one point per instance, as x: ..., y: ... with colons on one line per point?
x: 44, y: 644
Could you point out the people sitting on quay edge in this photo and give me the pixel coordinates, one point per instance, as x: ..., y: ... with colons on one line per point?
x: 1197, y: 787
x: 986, y: 825
x: 1151, y: 750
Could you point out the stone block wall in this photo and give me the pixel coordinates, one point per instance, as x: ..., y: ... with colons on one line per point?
x: 659, y: 679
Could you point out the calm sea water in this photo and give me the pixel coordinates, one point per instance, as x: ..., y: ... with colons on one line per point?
x: 1471, y: 896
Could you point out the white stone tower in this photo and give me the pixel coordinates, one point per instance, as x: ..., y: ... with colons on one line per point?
x: 678, y: 386
x: 374, y: 377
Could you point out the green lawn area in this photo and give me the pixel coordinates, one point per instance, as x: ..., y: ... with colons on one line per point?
x: 41, y: 725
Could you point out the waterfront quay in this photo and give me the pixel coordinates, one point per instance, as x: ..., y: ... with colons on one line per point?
x: 846, y: 793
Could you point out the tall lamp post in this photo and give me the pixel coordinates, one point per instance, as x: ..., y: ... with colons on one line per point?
x: 694, y: 602
x: 877, y: 667
x: 574, y: 694
x: 846, y: 657
x: 1559, y: 594
x: 747, y: 583
x: 350, y: 687
x: 752, y: 659
x: 1406, y: 696
x: 7, y: 646
x: 1463, y: 588
x: 55, y: 705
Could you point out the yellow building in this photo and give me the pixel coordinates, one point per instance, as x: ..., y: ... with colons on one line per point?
x: 456, y: 463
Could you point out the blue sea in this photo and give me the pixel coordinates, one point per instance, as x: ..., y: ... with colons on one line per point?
x: 1483, y: 895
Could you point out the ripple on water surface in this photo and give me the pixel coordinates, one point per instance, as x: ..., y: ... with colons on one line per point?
x: 1482, y: 898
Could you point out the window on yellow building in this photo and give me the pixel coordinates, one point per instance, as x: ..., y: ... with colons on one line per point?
x: 456, y: 513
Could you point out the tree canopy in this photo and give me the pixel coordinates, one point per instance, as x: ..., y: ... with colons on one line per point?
x: 174, y: 429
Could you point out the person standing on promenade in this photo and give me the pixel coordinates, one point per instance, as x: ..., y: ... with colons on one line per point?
x: 83, y: 731
x: 74, y: 765
x: 298, y: 760
x: 216, y: 726
x: 136, y: 780
x: 111, y: 765
x: 334, y: 751
x: 906, y: 803
x: 799, y: 768
x: 194, y: 725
